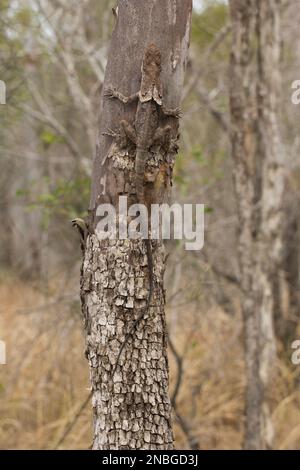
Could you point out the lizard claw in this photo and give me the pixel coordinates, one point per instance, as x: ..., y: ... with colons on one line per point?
x: 110, y: 92
x: 110, y: 133
x: 178, y: 113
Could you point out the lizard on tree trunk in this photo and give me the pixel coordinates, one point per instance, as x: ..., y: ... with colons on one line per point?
x: 145, y: 133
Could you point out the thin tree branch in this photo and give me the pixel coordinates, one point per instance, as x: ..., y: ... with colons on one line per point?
x: 192, y: 440
x: 72, y: 423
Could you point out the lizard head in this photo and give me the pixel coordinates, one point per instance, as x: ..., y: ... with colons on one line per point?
x: 152, y: 57
x: 152, y: 62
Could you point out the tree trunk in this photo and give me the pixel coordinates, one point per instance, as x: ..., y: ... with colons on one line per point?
x: 25, y: 234
x: 259, y: 185
x: 132, y: 407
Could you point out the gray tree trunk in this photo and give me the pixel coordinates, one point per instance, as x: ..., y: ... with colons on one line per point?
x: 25, y: 240
x: 131, y: 410
x: 259, y: 185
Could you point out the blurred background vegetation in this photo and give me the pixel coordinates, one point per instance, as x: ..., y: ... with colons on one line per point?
x: 52, y: 59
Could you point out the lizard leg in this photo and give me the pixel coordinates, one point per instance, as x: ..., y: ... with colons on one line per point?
x: 113, y: 93
x: 162, y: 135
x: 111, y: 133
x: 176, y: 112
x: 120, y: 137
x: 129, y: 131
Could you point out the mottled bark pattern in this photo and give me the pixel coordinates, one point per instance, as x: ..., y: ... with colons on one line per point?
x: 259, y: 184
x: 133, y: 411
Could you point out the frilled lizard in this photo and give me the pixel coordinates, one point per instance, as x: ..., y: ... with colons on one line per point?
x: 144, y: 134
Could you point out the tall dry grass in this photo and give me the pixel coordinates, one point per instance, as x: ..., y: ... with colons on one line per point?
x: 46, y: 381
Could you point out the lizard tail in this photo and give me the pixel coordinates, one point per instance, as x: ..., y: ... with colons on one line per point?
x: 144, y: 310
x: 140, y: 164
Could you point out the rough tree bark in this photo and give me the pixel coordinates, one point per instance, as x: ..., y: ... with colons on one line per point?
x: 259, y: 185
x: 131, y: 410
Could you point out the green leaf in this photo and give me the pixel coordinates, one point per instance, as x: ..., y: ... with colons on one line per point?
x: 23, y: 17
x: 209, y: 22
x: 49, y: 138
x: 198, y: 155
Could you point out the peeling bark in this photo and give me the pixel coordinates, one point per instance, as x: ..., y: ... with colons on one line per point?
x: 132, y: 409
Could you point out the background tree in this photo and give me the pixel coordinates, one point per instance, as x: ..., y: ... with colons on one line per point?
x: 259, y: 183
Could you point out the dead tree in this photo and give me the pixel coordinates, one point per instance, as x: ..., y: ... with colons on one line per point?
x: 259, y: 184
x: 131, y: 407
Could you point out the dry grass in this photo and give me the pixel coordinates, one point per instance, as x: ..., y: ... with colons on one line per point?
x: 45, y: 380
x: 46, y: 376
